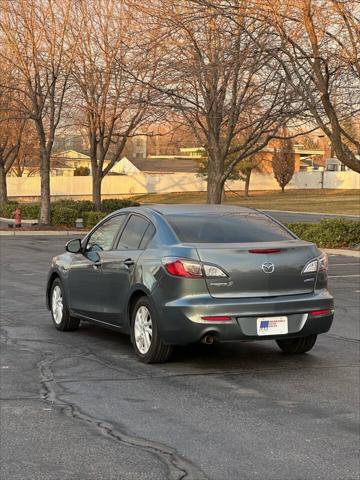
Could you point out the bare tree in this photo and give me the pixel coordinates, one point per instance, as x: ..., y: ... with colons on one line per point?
x: 10, y: 141
x: 316, y: 42
x: 39, y: 51
x: 247, y: 167
x: 319, y: 56
x: 11, y: 129
x: 109, y: 73
x: 283, y: 163
x: 227, y: 88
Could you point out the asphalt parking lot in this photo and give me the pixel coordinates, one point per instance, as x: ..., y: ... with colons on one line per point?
x: 80, y: 406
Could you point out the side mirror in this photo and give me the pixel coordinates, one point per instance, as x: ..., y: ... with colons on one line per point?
x: 74, y: 246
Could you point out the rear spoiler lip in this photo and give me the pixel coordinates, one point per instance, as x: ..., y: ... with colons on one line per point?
x: 277, y: 245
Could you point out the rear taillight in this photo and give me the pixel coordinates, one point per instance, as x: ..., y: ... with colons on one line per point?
x: 323, y: 263
x: 311, y: 267
x: 319, y: 313
x: 319, y: 264
x: 213, y: 271
x: 182, y: 267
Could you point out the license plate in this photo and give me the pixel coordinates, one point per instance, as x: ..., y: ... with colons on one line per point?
x: 272, y: 325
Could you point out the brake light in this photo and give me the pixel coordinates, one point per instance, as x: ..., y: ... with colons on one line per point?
x: 265, y: 250
x: 221, y: 318
x: 184, y: 268
x: 318, y: 313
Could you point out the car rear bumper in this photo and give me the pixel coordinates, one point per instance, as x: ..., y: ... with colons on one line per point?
x: 181, y: 322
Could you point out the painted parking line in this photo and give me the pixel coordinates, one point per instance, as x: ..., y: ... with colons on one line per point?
x: 343, y: 276
x: 343, y: 264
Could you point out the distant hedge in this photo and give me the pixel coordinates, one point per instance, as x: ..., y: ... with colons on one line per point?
x: 28, y: 210
x: 329, y: 232
x: 111, y: 204
x: 64, y: 216
x: 79, y: 205
x: 90, y: 219
x: 65, y: 212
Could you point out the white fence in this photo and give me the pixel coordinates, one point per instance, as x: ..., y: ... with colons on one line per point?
x: 114, y: 186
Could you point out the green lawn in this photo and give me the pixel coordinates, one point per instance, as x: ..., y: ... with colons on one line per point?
x: 346, y: 202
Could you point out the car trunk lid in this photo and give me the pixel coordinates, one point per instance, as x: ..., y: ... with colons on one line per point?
x: 260, y: 270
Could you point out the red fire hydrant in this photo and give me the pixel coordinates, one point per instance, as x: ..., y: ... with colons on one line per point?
x: 17, y: 217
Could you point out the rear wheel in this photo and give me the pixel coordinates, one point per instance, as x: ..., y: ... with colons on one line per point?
x: 59, y: 309
x: 297, y: 345
x: 145, y: 337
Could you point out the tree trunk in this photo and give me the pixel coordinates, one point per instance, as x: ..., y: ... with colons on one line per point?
x: 214, y: 191
x: 215, y: 186
x: 3, y: 186
x: 223, y: 194
x: 247, y: 183
x: 282, y: 188
x: 96, y: 189
x: 45, y: 187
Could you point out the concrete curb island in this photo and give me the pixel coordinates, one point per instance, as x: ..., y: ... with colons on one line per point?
x: 34, y: 233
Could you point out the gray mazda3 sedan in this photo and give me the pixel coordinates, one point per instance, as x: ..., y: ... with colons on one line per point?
x: 176, y: 274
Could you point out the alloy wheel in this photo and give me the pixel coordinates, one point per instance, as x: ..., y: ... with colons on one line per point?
x: 57, y: 305
x: 143, y: 329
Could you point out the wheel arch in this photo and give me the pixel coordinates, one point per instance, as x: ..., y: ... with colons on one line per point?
x: 134, y: 296
x: 54, y: 274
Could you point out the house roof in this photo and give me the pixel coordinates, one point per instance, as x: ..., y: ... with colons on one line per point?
x: 71, y: 154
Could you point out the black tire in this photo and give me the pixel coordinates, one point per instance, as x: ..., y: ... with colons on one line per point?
x: 158, y: 351
x: 65, y: 322
x: 297, y: 345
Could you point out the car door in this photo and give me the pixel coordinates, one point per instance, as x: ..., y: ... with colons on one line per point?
x: 118, y: 268
x: 85, y: 274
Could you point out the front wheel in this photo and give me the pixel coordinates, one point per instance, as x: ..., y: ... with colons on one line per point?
x: 59, y: 309
x: 145, y: 337
x: 297, y: 345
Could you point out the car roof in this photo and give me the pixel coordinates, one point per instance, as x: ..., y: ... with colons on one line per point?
x: 193, y: 209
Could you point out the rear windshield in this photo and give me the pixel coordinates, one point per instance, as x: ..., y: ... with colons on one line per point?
x: 230, y: 228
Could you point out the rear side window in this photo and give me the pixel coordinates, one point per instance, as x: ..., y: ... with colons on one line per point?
x: 148, y: 235
x: 133, y: 233
x: 230, y: 228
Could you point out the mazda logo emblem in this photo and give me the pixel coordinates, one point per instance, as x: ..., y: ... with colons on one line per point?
x: 268, y: 267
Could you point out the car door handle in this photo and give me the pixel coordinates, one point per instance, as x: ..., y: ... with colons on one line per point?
x: 129, y: 262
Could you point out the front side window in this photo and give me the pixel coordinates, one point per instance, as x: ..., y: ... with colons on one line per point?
x: 230, y: 228
x: 103, y: 237
x: 133, y: 233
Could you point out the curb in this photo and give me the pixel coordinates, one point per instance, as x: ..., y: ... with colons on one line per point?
x: 48, y: 233
x: 341, y: 251
x: 311, y: 213
x: 11, y: 220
